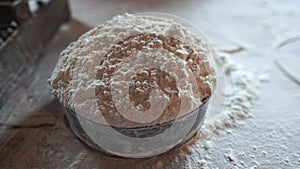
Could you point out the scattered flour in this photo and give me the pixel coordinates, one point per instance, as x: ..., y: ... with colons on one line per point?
x: 240, y: 98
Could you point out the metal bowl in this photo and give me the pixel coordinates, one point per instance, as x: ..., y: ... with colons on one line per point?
x: 196, y: 117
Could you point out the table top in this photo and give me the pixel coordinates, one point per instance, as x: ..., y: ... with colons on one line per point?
x: 260, y: 35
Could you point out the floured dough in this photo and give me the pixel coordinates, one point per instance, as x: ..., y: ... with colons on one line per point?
x: 134, y: 71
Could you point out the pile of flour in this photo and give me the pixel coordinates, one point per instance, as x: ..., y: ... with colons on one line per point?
x: 74, y: 80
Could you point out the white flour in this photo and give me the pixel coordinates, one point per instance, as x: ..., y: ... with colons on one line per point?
x: 239, y: 101
x: 74, y: 80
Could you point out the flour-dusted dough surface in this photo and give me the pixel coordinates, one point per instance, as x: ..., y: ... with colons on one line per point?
x: 93, y: 73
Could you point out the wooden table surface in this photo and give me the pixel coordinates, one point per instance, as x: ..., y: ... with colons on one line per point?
x: 33, y: 135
